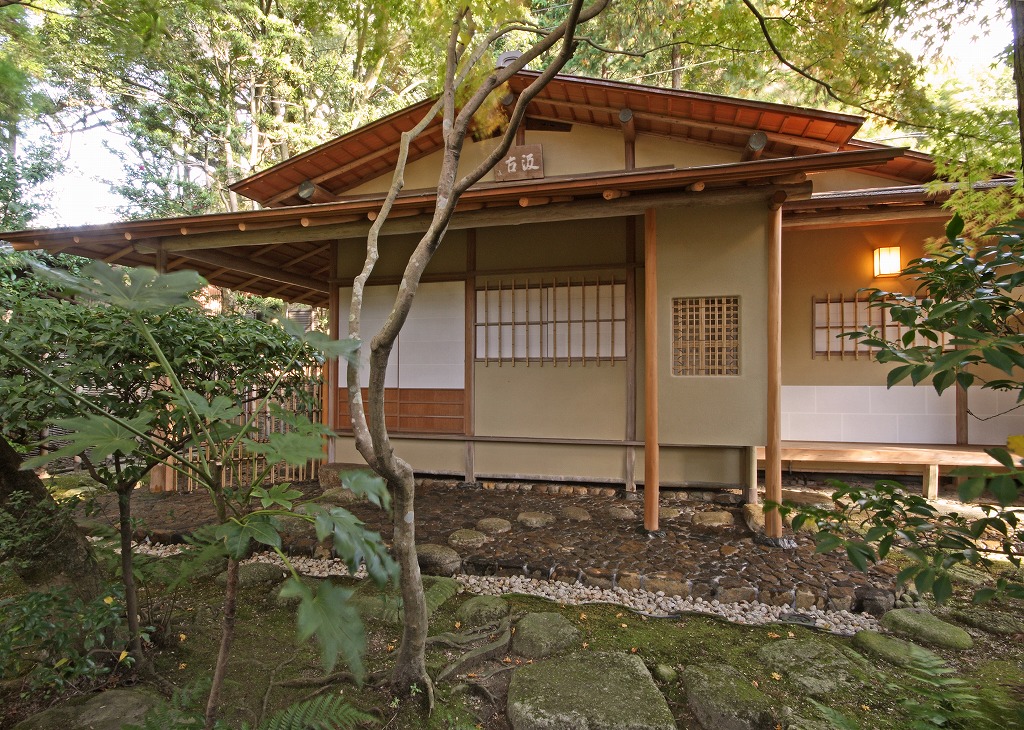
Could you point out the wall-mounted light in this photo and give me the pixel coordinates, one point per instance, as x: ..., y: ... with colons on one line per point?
x: 887, y: 261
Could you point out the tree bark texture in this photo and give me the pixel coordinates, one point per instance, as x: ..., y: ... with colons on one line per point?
x: 60, y: 557
x: 131, y: 595
x: 227, y: 636
x: 1017, y: 21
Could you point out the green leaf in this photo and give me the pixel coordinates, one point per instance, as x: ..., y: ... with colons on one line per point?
x: 983, y: 595
x: 133, y: 290
x: 955, y: 227
x: 334, y: 621
x: 237, y: 533
x: 354, y: 544
x: 289, y: 448
x: 1002, y: 456
x: 942, y: 588
x: 279, y: 494
x: 858, y: 556
x: 98, y: 435
x: 365, y: 483
x: 1004, y: 488
x: 826, y: 542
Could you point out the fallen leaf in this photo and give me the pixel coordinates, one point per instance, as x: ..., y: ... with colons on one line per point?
x: 633, y: 649
x: 583, y: 617
x: 754, y: 682
x: 507, y: 660
x: 865, y: 708
x: 108, y: 600
x: 182, y: 666
x: 624, y: 626
x: 773, y: 635
x: 776, y: 676
x: 121, y: 657
x: 790, y: 634
x: 458, y: 624
x: 585, y: 644
x: 182, y: 637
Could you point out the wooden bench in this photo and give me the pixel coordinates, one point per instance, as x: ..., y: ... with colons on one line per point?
x: 926, y: 461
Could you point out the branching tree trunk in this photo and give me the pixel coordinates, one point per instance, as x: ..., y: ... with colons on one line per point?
x: 371, y: 434
x: 60, y: 556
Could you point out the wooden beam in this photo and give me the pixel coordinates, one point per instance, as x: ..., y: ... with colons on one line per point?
x: 629, y: 136
x: 263, y: 271
x: 963, y: 435
x: 923, y: 213
x: 469, y: 401
x: 612, y: 194
x: 631, y: 352
x: 527, y: 202
x: 773, y: 444
x: 756, y: 144
x: 577, y: 210
x: 930, y: 482
x: 333, y: 369
x: 313, y: 193
x: 652, y: 456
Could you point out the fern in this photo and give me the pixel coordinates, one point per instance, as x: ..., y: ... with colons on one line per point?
x: 436, y: 592
x: 320, y: 713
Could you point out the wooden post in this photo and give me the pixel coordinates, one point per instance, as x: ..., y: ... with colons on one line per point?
x: 651, y: 453
x: 930, y: 481
x: 629, y: 136
x: 963, y: 436
x: 773, y: 446
x: 469, y: 421
x: 332, y: 371
x: 631, y: 352
x: 750, y: 489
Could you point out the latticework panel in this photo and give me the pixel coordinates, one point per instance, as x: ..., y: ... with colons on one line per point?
x: 706, y: 336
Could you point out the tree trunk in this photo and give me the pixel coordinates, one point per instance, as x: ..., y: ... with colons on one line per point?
x: 227, y: 636
x: 410, y: 664
x: 60, y: 556
x: 131, y: 596
x: 1017, y: 21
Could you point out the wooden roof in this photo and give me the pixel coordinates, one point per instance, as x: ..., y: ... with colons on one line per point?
x: 372, y: 150
x: 285, y: 251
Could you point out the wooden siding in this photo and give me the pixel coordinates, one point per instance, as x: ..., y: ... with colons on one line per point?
x: 415, y: 410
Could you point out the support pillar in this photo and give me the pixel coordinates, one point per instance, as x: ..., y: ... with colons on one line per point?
x: 773, y: 445
x: 469, y: 407
x: 332, y: 370
x: 630, y: 435
x: 651, y: 454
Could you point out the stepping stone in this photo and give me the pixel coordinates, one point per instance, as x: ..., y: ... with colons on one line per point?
x: 818, y: 667
x: 438, y: 559
x: 592, y: 691
x: 540, y: 635
x: 575, y: 514
x: 339, y: 496
x: 723, y: 699
x: 668, y: 513
x: 621, y: 513
x: 895, y: 651
x: 991, y: 622
x: 917, y: 624
x: 104, y: 711
x: 493, y: 526
x: 252, y: 575
x: 467, y: 539
x: 481, y: 610
x: 714, y: 518
x: 535, y: 519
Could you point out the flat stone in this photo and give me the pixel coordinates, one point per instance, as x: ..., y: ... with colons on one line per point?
x: 575, y: 514
x: 438, y: 559
x: 670, y: 586
x: 727, y: 550
x: 467, y: 539
x: 895, y: 651
x: 736, y: 594
x: 841, y: 598
x: 540, y: 635
x: 493, y: 526
x: 104, y: 711
x: 665, y: 674
x: 668, y: 513
x: 818, y: 667
x: 991, y: 622
x: 804, y: 599
x: 340, y: 496
x: 714, y: 518
x: 252, y: 575
x: 875, y: 601
x: 723, y: 699
x: 536, y: 519
x: 920, y: 625
x: 482, y: 610
x: 592, y: 691
x: 621, y: 513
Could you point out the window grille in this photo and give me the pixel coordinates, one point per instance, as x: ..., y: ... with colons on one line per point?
x: 832, y: 316
x: 706, y: 336
x: 570, y: 320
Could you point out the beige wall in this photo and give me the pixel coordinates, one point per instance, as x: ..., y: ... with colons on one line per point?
x: 834, y: 262
x: 566, y: 243
x: 710, y: 252
x: 652, y: 151
x: 394, y: 251
x: 833, y: 180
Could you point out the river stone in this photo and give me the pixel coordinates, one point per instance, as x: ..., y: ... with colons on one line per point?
x: 714, y: 518
x: 493, y: 526
x: 535, y: 519
x: 592, y: 691
x: 575, y: 514
x: 467, y: 539
x: 252, y: 575
x: 723, y: 699
x: 668, y: 513
x: 104, y: 711
x: 895, y: 651
x: 991, y: 622
x: 817, y: 666
x: 919, y: 625
x: 621, y: 513
x: 438, y: 559
x: 539, y: 635
x: 753, y: 516
x: 665, y: 674
x: 481, y: 610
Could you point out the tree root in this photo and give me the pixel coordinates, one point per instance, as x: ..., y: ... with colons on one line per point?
x: 372, y: 678
x: 461, y: 641
x: 481, y: 654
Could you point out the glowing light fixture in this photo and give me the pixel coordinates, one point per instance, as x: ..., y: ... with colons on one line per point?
x: 887, y: 261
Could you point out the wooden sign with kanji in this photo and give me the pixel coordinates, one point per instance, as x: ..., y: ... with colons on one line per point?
x: 523, y: 162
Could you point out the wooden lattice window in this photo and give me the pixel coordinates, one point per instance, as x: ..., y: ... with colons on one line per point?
x: 568, y: 320
x: 832, y: 316
x: 706, y: 336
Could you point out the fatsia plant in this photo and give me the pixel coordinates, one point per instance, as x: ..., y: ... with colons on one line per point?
x: 964, y: 326
x: 252, y: 511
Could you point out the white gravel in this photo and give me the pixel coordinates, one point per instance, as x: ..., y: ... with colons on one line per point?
x: 645, y: 602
